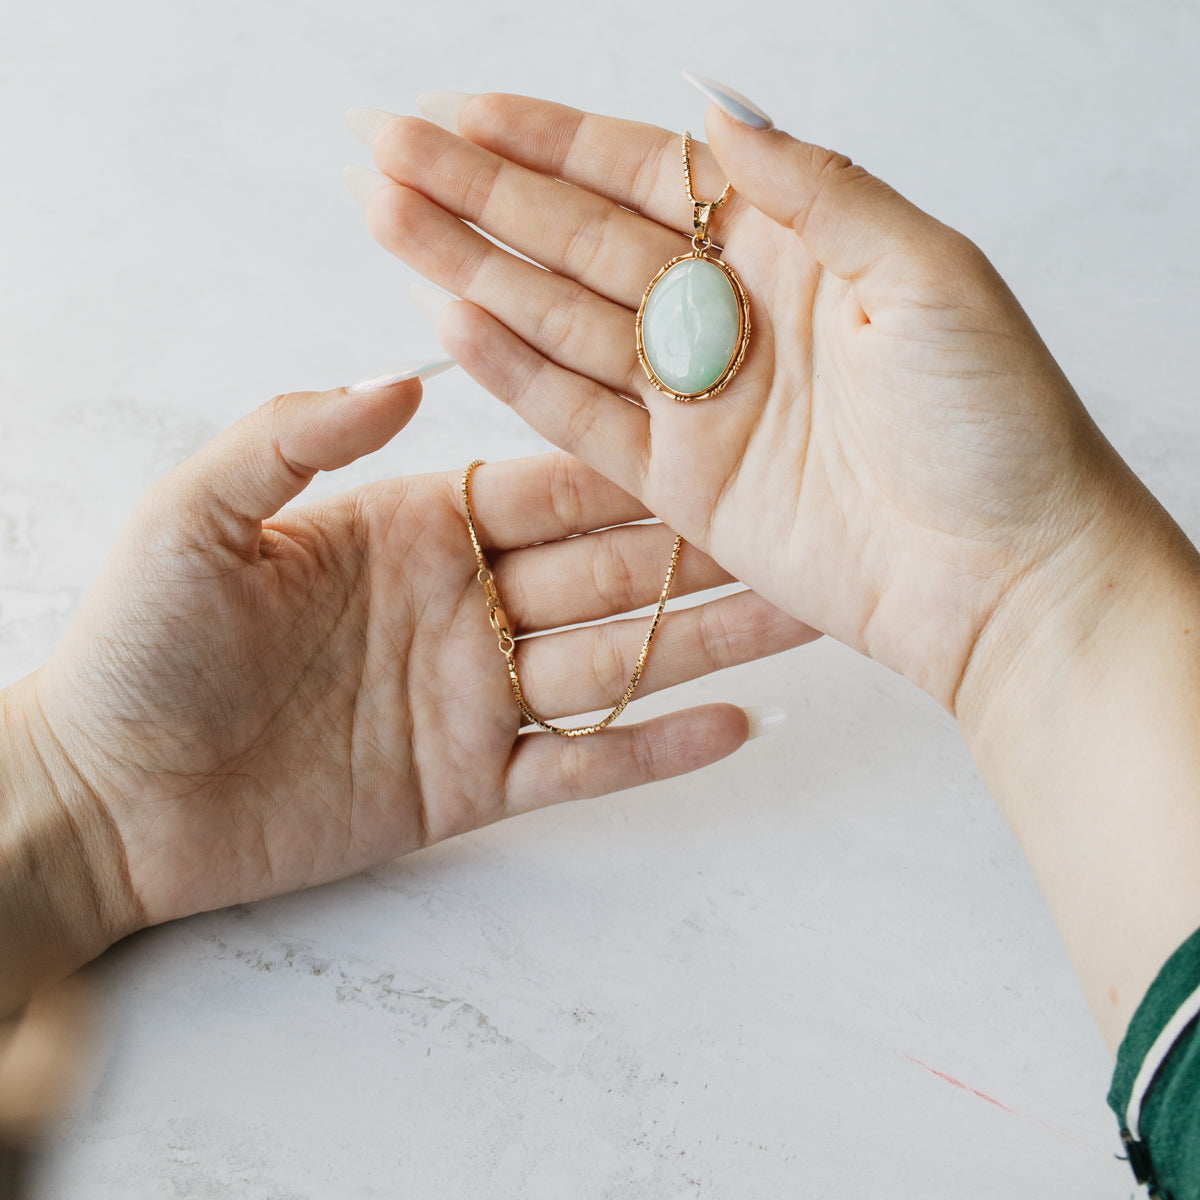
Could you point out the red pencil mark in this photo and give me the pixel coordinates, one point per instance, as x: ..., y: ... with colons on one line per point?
x: 975, y: 1092
x: 956, y: 1083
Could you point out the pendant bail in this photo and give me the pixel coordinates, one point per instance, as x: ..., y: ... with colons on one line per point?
x: 693, y: 324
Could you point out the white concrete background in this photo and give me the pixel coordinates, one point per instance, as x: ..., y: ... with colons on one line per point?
x: 759, y: 981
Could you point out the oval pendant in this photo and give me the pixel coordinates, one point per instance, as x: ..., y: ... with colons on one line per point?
x: 693, y: 327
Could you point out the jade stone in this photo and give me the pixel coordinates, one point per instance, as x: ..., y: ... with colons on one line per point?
x: 690, y: 326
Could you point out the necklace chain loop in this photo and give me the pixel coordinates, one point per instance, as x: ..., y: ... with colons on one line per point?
x: 498, y: 619
x: 710, y: 205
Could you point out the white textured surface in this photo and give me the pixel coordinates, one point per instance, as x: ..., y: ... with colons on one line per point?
x: 740, y: 984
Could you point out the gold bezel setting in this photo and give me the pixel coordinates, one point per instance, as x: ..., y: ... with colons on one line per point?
x: 743, y: 304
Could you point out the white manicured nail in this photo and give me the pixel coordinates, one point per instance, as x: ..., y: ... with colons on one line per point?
x: 442, y: 108
x: 363, y: 182
x: 763, y: 720
x: 734, y: 103
x: 429, y: 370
x: 430, y: 300
x: 365, y: 123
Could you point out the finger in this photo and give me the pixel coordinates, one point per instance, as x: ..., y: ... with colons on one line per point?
x: 548, y: 769
x: 253, y: 469
x: 851, y: 222
x: 577, y: 414
x: 594, y: 577
x: 587, y: 670
x: 560, y: 317
x: 543, y: 499
x: 571, y: 230
x: 46, y: 1057
x: 636, y: 165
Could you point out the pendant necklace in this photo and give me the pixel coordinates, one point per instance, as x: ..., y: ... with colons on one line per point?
x: 693, y: 325
x: 499, y: 621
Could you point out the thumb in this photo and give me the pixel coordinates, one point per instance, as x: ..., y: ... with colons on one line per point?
x: 249, y: 472
x: 850, y: 221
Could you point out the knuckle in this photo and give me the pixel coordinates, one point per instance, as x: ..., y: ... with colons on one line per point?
x: 274, y: 419
x: 612, y: 575
x: 518, y: 378
x: 566, y: 499
x: 605, y: 660
x: 831, y: 173
x: 399, y: 212
x: 578, y: 775
x: 490, y: 110
x: 579, y: 424
x: 830, y: 164
x: 394, y: 220
x: 468, y: 267
x: 403, y: 138
x: 555, y: 327
x: 276, y: 409
x: 520, y: 599
x: 713, y: 634
x: 648, y: 171
x: 413, y: 149
x: 583, y: 243
x: 644, y: 746
x: 838, y: 170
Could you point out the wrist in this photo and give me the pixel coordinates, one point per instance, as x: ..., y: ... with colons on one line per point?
x: 64, y: 891
x: 1081, y: 706
x: 1086, y: 603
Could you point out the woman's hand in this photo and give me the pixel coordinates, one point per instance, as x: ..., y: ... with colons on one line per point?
x: 252, y: 701
x: 898, y: 451
x: 899, y: 462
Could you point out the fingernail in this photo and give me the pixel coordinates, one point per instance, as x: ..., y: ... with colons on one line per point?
x: 429, y: 370
x: 763, y: 720
x: 442, y: 108
x: 365, y: 123
x: 430, y: 300
x: 363, y: 182
x: 733, y: 103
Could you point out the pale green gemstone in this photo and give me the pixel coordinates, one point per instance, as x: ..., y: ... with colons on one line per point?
x: 690, y: 326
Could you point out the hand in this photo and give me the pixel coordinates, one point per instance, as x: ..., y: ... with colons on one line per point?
x: 899, y: 449
x: 899, y: 463
x: 252, y: 701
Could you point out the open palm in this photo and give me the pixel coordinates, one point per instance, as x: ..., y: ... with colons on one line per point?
x: 262, y: 700
x: 897, y: 449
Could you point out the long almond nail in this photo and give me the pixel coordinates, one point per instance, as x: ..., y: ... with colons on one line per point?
x: 442, y: 108
x: 365, y: 123
x: 763, y: 720
x: 363, y: 182
x: 430, y: 300
x: 733, y: 103
x: 425, y: 371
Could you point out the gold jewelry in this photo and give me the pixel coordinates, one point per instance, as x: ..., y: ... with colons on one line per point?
x: 693, y: 324
x: 508, y: 646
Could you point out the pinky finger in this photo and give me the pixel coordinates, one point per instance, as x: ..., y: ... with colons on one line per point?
x: 548, y: 769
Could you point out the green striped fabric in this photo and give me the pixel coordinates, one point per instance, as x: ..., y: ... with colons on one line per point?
x: 1156, y: 1085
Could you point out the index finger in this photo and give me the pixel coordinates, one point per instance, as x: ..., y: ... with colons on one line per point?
x: 526, y: 501
x: 636, y: 164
